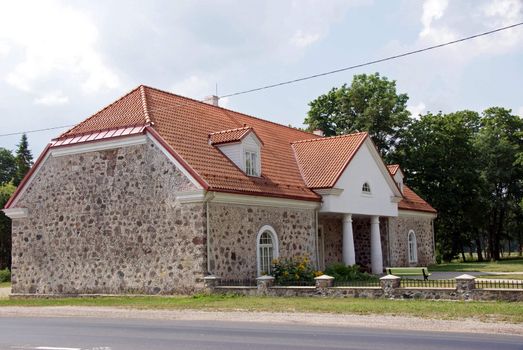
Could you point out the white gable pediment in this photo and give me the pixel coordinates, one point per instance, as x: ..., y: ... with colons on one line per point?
x: 366, y: 167
x: 236, y: 151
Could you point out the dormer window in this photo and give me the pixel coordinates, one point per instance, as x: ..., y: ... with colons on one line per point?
x: 242, y: 146
x: 251, y: 163
x: 365, y: 188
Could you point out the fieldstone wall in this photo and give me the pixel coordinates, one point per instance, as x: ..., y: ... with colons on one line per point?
x: 399, y: 230
x: 333, y: 232
x: 109, y: 222
x: 234, y: 229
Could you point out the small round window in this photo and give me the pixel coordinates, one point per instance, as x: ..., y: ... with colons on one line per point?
x: 365, y: 188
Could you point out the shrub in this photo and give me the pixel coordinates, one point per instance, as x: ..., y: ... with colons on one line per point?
x: 293, y: 270
x: 5, y: 275
x: 344, y: 273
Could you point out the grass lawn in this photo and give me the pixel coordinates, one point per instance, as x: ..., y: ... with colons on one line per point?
x: 487, y: 311
x: 5, y: 284
x: 503, y: 277
x: 508, y: 265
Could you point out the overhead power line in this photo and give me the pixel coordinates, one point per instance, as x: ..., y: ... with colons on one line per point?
x: 389, y: 58
x: 372, y: 62
x: 36, y: 130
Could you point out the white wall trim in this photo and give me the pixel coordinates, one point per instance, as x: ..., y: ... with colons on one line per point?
x: 275, y: 245
x: 175, y: 162
x: 16, y: 213
x: 414, y: 213
x: 326, y: 191
x: 240, y: 199
x: 98, y: 145
x: 190, y: 196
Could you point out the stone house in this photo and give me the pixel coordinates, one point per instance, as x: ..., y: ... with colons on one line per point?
x: 156, y: 190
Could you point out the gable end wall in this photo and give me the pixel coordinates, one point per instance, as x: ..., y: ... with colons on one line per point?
x: 108, y: 222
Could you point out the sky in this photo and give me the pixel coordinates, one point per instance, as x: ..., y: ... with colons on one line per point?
x: 61, y: 61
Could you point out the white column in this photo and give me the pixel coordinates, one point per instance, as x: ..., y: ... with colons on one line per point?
x: 349, y: 258
x: 376, y: 256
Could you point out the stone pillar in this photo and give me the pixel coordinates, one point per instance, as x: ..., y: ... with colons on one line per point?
x: 389, y: 284
x: 324, y: 281
x: 264, y: 283
x: 376, y: 255
x: 349, y: 257
x: 211, y: 282
x: 465, y: 285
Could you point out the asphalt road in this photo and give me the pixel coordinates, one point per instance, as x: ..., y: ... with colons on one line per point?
x: 115, y: 334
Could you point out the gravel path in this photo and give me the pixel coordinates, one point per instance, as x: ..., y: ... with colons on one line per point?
x: 335, y: 320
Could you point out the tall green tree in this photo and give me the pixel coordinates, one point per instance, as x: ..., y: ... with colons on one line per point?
x: 23, y: 159
x: 440, y: 161
x: 7, y: 166
x: 371, y: 103
x: 6, y: 191
x: 500, y: 146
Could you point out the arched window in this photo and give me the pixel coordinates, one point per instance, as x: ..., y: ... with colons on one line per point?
x: 413, y: 247
x: 365, y: 188
x: 266, y: 249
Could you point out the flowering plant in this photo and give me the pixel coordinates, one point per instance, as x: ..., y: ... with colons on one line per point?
x: 291, y: 270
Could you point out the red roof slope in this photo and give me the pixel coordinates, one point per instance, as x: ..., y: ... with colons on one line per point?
x: 411, y: 201
x: 322, y: 160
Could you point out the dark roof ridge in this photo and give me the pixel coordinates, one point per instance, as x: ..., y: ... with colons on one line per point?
x: 230, y: 130
x: 330, y: 137
x: 228, y: 110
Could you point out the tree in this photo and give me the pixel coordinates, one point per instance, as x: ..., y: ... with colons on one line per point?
x: 5, y: 227
x: 440, y: 162
x: 500, y: 146
x: 23, y: 159
x: 7, y: 166
x: 370, y: 104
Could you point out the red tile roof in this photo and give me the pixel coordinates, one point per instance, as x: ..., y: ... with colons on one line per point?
x: 393, y: 168
x: 227, y: 136
x: 293, y: 161
x: 411, y: 201
x: 323, y: 160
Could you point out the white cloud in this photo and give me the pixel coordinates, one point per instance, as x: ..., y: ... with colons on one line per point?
x: 432, y: 10
x: 54, y: 98
x: 416, y: 110
x: 302, y: 40
x: 197, y: 88
x: 52, y: 39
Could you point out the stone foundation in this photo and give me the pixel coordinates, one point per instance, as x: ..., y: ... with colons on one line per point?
x: 108, y: 222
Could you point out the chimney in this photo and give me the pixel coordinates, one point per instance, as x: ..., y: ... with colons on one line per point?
x: 318, y: 132
x: 212, y: 100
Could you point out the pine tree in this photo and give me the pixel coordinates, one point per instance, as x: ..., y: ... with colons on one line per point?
x: 24, y: 160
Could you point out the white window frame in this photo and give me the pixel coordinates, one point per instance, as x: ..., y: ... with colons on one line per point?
x: 275, y: 247
x: 412, y: 245
x: 247, y: 155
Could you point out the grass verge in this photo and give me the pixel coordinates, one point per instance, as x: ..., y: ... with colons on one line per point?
x: 502, y: 277
x: 5, y: 284
x: 509, y: 265
x: 485, y: 311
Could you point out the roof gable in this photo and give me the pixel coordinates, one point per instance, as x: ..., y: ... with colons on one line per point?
x: 323, y: 160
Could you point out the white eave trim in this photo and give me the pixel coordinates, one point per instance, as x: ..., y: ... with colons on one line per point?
x: 412, y: 213
x: 100, y: 145
x: 190, y: 196
x: 16, y: 213
x: 329, y: 191
x: 240, y: 199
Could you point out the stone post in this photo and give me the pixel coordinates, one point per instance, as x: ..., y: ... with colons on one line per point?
x: 324, y: 281
x: 389, y: 284
x: 211, y: 282
x: 465, y: 285
x: 264, y: 283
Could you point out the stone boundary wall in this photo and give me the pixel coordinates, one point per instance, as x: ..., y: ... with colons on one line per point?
x: 390, y: 288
